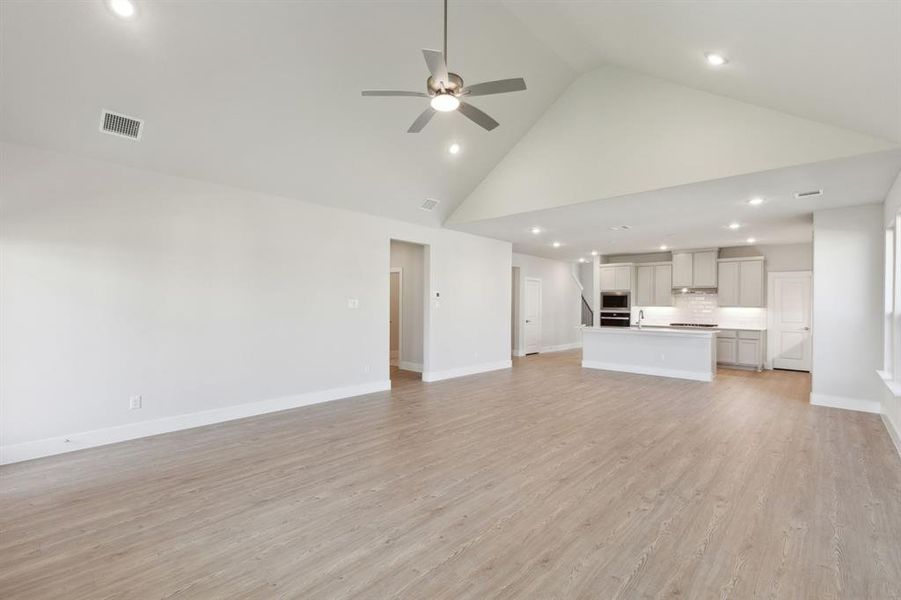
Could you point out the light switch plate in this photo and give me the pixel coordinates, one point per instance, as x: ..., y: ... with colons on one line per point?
x: 353, y: 303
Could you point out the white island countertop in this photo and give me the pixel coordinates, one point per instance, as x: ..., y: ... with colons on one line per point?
x: 679, y: 352
x: 658, y: 329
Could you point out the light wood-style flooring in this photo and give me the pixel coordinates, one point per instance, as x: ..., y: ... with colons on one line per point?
x: 544, y: 481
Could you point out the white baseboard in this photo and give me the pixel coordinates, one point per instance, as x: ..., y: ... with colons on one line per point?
x: 518, y: 353
x: 846, y: 403
x: 111, y: 435
x: 409, y: 366
x: 892, y: 432
x: 561, y: 347
x: 641, y: 370
x: 430, y: 376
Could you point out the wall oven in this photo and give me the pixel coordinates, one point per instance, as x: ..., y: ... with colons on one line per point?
x: 615, y: 319
x: 615, y: 301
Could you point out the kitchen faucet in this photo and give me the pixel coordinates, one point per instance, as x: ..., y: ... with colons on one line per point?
x: 640, y: 316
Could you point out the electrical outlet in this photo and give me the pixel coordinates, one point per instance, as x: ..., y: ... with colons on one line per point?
x: 353, y: 303
x: 135, y: 402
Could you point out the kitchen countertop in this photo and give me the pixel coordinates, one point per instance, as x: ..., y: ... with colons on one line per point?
x: 656, y: 329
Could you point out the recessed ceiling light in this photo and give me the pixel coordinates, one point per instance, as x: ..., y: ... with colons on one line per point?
x: 715, y: 60
x: 751, y: 240
x: 445, y: 102
x: 454, y: 148
x: 594, y: 252
x: 755, y: 201
x: 122, y: 8
x: 734, y: 225
x: 536, y: 230
x: 664, y: 247
x: 581, y: 260
x: 556, y: 244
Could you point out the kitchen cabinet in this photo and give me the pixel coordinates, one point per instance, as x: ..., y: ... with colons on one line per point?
x: 741, y: 282
x: 740, y: 348
x: 704, y: 269
x: 750, y: 286
x: 695, y: 269
x: 726, y: 350
x: 663, y: 285
x: 616, y: 278
x: 682, y: 269
x: 654, y: 285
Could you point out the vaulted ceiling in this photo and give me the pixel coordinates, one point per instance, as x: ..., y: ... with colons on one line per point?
x: 265, y: 95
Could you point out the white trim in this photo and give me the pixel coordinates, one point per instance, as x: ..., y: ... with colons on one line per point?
x: 111, y: 435
x: 892, y: 432
x: 463, y: 371
x: 409, y: 366
x: 396, y: 360
x: 561, y: 347
x: 640, y: 370
x: 846, y: 403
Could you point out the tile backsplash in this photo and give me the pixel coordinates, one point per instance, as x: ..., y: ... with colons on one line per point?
x: 703, y: 308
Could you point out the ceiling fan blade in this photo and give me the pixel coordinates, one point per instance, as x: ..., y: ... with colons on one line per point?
x: 501, y: 86
x: 434, y: 59
x: 422, y: 120
x: 394, y: 93
x: 477, y: 116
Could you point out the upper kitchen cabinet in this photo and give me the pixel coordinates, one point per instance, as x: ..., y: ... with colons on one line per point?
x: 654, y: 285
x: 695, y: 269
x: 616, y: 278
x: 741, y: 282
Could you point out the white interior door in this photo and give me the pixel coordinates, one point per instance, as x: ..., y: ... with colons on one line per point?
x: 532, y: 315
x: 788, y: 336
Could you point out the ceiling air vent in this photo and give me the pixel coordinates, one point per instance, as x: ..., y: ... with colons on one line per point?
x: 116, y: 124
x: 429, y: 204
x: 810, y: 194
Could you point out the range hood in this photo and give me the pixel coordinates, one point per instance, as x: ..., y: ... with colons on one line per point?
x: 694, y: 290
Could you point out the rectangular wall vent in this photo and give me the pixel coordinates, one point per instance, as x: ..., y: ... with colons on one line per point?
x: 429, y: 204
x: 117, y: 124
x: 810, y: 194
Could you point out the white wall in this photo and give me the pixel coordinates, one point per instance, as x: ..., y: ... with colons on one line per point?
x: 560, y: 302
x: 848, y: 247
x: 615, y: 132
x: 778, y: 257
x: 118, y: 282
x: 410, y: 258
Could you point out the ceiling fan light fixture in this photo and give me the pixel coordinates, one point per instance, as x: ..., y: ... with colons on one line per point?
x: 445, y: 102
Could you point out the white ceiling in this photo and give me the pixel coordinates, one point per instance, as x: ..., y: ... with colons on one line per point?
x: 834, y: 61
x: 266, y: 95
x: 698, y: 215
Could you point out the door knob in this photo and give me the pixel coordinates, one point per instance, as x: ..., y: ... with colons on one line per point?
x: 807, y: 329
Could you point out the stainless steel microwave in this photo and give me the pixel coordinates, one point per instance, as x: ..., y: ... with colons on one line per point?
x: 615, y: 301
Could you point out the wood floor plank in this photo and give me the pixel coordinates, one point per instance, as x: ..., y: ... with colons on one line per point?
x: 544, y: 481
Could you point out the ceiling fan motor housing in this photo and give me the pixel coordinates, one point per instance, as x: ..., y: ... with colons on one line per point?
x: 453, y: 86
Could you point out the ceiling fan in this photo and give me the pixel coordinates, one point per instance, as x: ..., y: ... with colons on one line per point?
x: 446, y: 90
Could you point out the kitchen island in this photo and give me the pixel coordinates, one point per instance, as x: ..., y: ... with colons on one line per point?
x: 664, y: 351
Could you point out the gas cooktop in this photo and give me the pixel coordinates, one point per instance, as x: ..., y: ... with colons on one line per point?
x: 692, y: 325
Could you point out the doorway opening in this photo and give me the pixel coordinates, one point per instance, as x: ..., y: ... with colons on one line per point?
x: 407, y: 276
